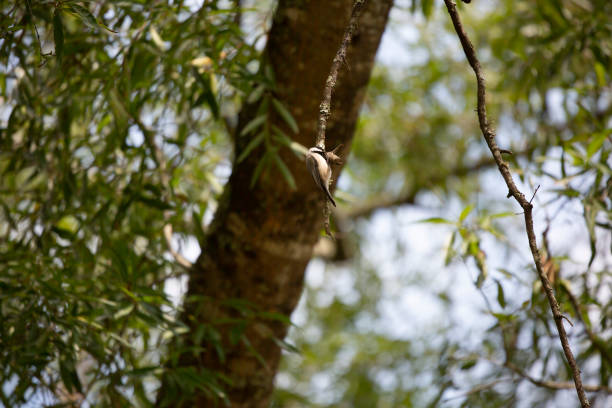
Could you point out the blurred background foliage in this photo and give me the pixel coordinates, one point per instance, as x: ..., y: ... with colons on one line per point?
x: 116, y: 119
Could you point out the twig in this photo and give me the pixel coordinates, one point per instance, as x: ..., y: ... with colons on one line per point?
x: 238, y: 15
x: 534, y: 194
x: 42, y: 54
x: 178, y: 257
x: 327, y: 213
x: 554, y: 385
x: 595, y: 340
x: 477, y: 389
x: 489, y: 136
x: 330, y: 83
x: 366, y: 208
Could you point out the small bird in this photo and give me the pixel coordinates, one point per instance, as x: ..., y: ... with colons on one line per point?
x: 317, y: 161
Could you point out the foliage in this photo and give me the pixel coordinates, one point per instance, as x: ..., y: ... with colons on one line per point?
x: 117, y: 119
x: 110, y: 130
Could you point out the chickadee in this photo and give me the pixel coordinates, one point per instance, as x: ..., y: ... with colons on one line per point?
x: 319, y: 165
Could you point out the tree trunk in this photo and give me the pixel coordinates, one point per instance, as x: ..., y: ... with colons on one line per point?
x: 261, y: 238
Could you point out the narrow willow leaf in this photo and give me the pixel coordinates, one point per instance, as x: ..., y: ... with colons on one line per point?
x: 298, y: 149
x: 119, y: 111
x: 69, y: 375
x: 501, y: 298
x: 285, y: 171
x: 482, y: 267
x: 252, y: 145
x: 450, y: 252
x: 435, y: 220
x: 156, y: 38
x: 254, y: 124
x: 123, y: 312
x: 502, y: 214
x: 600, y: 71
x: 426, y: 7
x: 466, y: 211
x: 596, y: 142
x: 85, y: 15
x: 468, y: 364
x: 286, y: 115
x: 256, y: 94
x: 58, y: 35
x: 263, y: 163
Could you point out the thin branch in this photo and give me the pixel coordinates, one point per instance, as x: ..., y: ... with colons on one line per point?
x: 554, y: 385
x: 598, y: 343
x: 330, y: 83
x: 477, y: 389
x: 489, y: 136
x: 42, y: 55
x: 238, y: 15
x: 178, y: 257
x: 327, y: 214
x: 384, y: 200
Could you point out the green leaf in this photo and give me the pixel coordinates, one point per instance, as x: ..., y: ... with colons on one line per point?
x: 426, y: 7
x: 481, y: 262
x: 69, y: 375
x: 502, y: 214
x: 156, y: 38
x: 468, y: 364
x: 435, y: 220
x: 298, y: 149
x: 85, y: 15
x: 153, y: 201
x: 501, y: 298
x: 254, y: 124
x: 123, y: 312
x: 198, y: 225
x: 600, y: 71
x: 256, y: 94
x: 450, y: 252
x: 208, y: 94
x: 597, y: 141
x: 286, y: 115
x: 285, y: 171
x: 466, y: 211
x: 68, y: 223
x: 58, y: 34
x: 256, y: 141
x: 118, y: 108
x: 23, y: 176
x: 263, y: 163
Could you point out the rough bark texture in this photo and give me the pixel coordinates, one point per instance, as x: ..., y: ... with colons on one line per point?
x: 262, y: 238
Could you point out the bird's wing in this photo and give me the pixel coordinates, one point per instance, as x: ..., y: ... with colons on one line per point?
x: 313, y: 167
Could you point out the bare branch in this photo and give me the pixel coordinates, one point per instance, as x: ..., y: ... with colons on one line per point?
x: 330, y: 83
x: 554, y: 385
x: 178, y: 257
x: 366, y: 208
x: 238, y: 15
x: 489, y: 136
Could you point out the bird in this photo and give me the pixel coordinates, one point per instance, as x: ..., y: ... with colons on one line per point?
x: 318, y: 163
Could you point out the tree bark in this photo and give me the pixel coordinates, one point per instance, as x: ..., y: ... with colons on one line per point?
x: 261, y: 238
